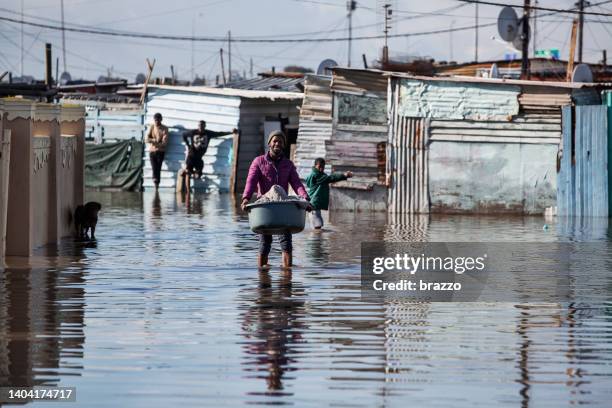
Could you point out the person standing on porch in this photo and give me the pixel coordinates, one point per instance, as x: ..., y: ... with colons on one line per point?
x: 157, y: 139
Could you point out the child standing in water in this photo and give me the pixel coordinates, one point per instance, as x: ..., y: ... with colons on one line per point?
x: 318, y: 189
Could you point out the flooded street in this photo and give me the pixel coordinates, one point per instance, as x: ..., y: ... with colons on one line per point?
x: 168, y: 309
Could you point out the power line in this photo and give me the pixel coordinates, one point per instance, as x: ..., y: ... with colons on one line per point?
x: 571, y: 11
x: 239, y: 39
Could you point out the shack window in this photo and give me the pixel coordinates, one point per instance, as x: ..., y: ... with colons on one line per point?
x: 361, y: 110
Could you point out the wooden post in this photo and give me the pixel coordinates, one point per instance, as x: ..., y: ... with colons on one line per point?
x: 48, y: 66
x: 235, y: 161
x: 570, y: 61
x: 149, y: 73
x: 525, y: 74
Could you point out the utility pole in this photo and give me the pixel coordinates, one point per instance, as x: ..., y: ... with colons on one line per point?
x: 476, y: 36
x: 48, y: 66
x: 525, y: 38
x: 192, y: 48
x: 21, y: 39
x: 63, y: 39
x: 251, y: 67
x: 450, y: 41
x: 222, y: 66
x: 388, y: 12
x: 350, y: 5
x: 580, y: 5
x: 229, y: 56
x: 535, y: 22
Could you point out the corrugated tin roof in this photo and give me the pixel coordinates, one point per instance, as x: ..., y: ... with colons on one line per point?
x: 360, y: 81
x: 269, y: 84
x: 470, y: 79
x: 241, y: 93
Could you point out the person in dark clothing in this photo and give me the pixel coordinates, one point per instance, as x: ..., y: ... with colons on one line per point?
x: 318, y: 189
x: 197, y: 141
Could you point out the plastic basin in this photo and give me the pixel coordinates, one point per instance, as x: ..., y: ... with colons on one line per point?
x: 278, y: 217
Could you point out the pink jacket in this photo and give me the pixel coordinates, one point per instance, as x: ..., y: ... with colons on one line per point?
x: 263, y: 174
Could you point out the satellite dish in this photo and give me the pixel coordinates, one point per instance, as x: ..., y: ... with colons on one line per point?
x: 494, y: 71
x: 507, y: 24
x: 65, y: 78
x: 325, y: 65
x: 141, y: 78
x: 518, y: 40
x: 582, y: 73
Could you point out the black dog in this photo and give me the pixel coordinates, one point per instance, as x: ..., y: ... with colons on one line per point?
x: 86, y: 218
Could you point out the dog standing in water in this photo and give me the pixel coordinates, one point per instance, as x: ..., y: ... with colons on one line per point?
x: 86, y: 218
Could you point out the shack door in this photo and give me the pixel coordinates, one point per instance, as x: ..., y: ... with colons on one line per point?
x: 407, y: 164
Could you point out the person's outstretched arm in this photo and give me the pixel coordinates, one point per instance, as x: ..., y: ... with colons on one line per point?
x: 334, y: 178
x: 212, y: 134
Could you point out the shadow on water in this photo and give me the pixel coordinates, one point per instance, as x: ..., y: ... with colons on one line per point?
x: 167, y: 308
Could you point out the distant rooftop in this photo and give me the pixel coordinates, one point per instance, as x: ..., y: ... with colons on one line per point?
x: 276, y: 82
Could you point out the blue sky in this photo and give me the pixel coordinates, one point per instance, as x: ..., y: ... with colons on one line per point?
x: 91, y: 56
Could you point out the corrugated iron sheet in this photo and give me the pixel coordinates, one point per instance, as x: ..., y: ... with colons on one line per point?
x: 359, y: 82
x: 607, y: 100
x: 450, y: 100
x: 269, y: 84
x: 315, y: 123
x: 407, y: 161
x: 528, y: 127
x: 583, y: 173
x: 543, y: 98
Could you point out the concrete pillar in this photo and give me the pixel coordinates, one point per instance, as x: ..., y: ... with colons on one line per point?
x: 17, y: 117
x: 5, y: 160
x: 45, y: 193
x: 72, y: 166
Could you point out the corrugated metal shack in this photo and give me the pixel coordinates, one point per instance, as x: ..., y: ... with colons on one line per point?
x: 110, y: 118
x: 223, y: 109
x: 359, y: 137
x: 475, y: 145
x: 315, y: 122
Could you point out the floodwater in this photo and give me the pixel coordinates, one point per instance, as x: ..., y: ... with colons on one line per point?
x: 167, y: 309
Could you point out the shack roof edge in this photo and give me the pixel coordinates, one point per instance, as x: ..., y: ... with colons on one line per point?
x: 469, y: 79
x: 242, y: 93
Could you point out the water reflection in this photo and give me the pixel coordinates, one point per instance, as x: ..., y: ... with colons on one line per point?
x: 42, y: 303
x: 272, y: 327
x: 175, y: 313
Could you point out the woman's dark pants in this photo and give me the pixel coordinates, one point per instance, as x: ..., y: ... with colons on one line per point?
x: 265, y: 243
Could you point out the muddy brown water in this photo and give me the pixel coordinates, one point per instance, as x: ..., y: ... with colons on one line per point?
x: 167, y: 309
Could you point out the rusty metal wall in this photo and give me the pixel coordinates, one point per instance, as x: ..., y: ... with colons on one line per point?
x: 583, y: 173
